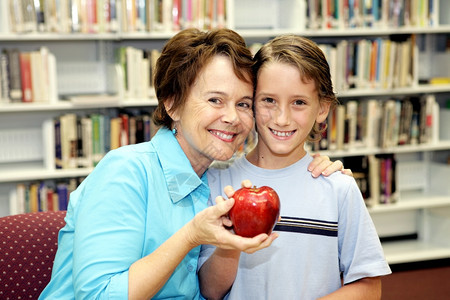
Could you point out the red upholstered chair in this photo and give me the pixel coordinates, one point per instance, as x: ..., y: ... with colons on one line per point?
x: 28, y: 244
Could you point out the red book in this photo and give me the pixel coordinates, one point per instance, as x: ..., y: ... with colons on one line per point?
x: 50, y: 203
x: 25, y: 74
x: 125, y: 130
x: 176, y: 14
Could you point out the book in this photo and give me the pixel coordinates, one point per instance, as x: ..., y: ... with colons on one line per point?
x: 4, y: 79
x: 42, y: 197
x: 405, y: 122
x: 116, y: 124
x: 63, y: 196
x: 58, y: 149
x: 97, y: 150
x: 86, y: 138
x: 69, y: 140
x: 44, y: 73
x: 124, y: 130
x: 340, y: 127
x: 374, y: 181
x: 37, y: 76
x: 25, y: 73
x: 14, y: 77
x: 29, y: 16
x: 351, y: 117
x: 34, y: 201
x: 361, y: 169
x: 5, y: 22
x: 52, y: 78
x: 16, y: 16
x: 49, y: 139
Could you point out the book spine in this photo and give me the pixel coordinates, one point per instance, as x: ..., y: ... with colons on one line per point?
x: 15, y: 82
x: 4, y: 79
x: 25, y: 72
x: 58, y: 149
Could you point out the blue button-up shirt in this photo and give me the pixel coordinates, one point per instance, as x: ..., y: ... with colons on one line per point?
x: 134, y: 200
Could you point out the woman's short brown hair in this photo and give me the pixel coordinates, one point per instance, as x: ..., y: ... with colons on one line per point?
x: 183, y: 58
x: 308, y: 58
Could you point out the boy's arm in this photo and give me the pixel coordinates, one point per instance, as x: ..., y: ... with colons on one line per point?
x: 366, y: 288
x: 217, y: 274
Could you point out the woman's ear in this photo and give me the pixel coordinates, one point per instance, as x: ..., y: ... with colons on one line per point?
x: 174, y: 114
x: 323, y: 111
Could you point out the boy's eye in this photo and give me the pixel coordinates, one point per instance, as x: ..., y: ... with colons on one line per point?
x: 268, y: 100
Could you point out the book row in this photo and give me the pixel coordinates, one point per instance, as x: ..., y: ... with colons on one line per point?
x: 136, y: 70
x: 104, y: 16
x: 82, y: 141
x: 370, y: 123
x: 372, y: 64
x: 28, y: 76
x: 42, y: 195
x: 361, y: 64
x: 376, y: 177
x: 341, y: 14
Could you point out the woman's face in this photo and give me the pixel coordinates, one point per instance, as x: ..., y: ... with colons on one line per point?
x: 217, y: 116
x: 285, y: 111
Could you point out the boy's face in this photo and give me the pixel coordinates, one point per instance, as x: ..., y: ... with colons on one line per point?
x: 286, y: 109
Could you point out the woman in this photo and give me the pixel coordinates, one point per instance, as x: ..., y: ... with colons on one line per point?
x: 135, y: 224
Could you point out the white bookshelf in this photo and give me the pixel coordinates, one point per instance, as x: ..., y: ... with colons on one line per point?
x: 413, y: 251
x: 64, y: 105
x: 84, y: 65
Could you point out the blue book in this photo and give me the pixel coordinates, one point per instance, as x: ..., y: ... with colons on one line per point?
x: 63, y: 197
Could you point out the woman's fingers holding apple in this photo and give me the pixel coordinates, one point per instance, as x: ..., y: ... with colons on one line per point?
x: 223, y: 206
x: 265, y: 241
x: 225, y: 220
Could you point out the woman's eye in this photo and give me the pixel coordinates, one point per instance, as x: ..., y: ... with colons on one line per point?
x: 245, y: 105
x: 214, y: 100
x: 299, y: 102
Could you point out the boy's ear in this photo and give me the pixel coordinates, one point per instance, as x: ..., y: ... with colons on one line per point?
x: 323, y: 111
x: 174, y: 114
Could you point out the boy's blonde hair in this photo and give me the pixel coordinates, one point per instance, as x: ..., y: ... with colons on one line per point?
x: 309, y: 59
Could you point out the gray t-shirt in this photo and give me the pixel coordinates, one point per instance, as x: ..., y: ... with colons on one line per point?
x: 325, y: 230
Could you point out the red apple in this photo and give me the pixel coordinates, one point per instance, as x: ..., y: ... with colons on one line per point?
x: 256, y: 210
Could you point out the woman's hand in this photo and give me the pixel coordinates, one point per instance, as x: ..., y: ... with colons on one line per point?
x: 322, y: 165
x: 212, y: 226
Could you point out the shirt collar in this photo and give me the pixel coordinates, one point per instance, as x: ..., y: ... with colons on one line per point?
x: 180, y: 176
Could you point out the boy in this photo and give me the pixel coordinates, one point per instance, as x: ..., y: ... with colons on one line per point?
x: 327, y: 244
